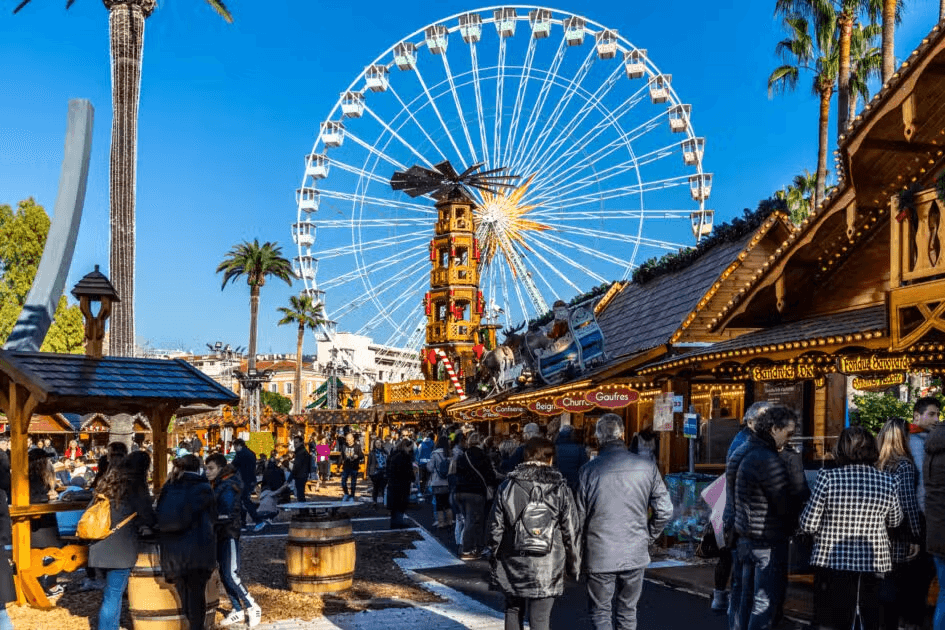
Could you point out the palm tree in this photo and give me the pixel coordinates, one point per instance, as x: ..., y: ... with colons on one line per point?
x: 126, y: 34
x: 256, y: 262
x: 843, y: 14
x: 866, y: 60
x: 306, y: 313
x: 798, y: 195
x: 818, y: 53
x: 891, y: 17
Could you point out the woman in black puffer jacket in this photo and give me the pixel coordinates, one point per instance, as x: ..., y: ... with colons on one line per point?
x: 531, y: 577
x: 186, y: 513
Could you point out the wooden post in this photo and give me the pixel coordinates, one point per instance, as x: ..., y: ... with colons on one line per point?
x: 160, y: 419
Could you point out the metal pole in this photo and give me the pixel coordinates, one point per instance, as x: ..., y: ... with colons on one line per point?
x: 692, y: 446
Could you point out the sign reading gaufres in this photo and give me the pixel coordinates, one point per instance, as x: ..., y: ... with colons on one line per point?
x: 873, y: 363
x: 612, y: 397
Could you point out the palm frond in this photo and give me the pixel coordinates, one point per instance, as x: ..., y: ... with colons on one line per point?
x: 783, y: 79
x: 221, y: 9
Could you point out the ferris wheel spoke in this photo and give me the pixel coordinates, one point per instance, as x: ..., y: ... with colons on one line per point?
x: 562, y: 174
x: 556, y: 245
x: 380, y: 243
x: 376, y: 201
x: 577, y: 119
x: 616, y: 238
x: 622, y: 191
x: 397, y: 136
x: 360, y: 172
x: 474, y: 59
x: 356, y: 274
x: 408, y: 110
x: 379, y: 289
x: 601, y: 215
x: 436, y: 110
x: 392, y: 306
x: 520, y: 96
x: 400, y: 337
x: 422, y: 222
x: 535, y: 115
x: 373, y: 151
x: 459, y: 108
x: 500, y: 85
x: 558, y: 111
x: 564, y: 278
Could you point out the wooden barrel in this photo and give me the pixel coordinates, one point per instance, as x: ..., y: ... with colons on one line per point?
x: 154, y: 604
x: 319, y: 554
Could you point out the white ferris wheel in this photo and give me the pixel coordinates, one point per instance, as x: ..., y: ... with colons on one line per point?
x: 610, y: 168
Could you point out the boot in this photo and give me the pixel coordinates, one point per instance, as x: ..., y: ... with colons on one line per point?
x: 719, y: 600
x: 441, y: 520
x: 450, y: 520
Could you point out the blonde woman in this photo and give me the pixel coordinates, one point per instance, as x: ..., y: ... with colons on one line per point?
x: 900, y: 595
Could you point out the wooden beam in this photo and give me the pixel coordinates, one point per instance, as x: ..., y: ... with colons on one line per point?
x: 160, y: 418
x: 901, y: 146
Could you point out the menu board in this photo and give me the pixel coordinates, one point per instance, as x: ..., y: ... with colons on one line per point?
x: 663, y: 412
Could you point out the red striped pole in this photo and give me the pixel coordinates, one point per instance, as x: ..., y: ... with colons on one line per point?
x: 451, y: 372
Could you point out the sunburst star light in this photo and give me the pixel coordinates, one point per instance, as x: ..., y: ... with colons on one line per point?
x: 501, y: 222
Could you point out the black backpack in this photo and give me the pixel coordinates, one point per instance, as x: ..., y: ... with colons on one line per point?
x: 443, y: 467
x: 535, y: 526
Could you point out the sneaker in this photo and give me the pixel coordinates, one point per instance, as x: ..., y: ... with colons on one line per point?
x: 254, y: 616
x: 235, y: 617
x: 469, y: 555
x: 344, y: 498
x: 261, y: 525
x: 55, y: 591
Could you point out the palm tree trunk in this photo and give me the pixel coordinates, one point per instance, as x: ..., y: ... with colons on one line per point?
x: 253, y: 317
x: 126, y: 35
x: 843, y: 97
x: 854, y: 99
x: 819, y: 193
x: 889, y: 38
x: 941, y: 10
x: 298, y: 370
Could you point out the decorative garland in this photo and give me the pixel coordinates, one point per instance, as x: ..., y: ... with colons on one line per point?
x: 728, y: 232
x: 940, y: 186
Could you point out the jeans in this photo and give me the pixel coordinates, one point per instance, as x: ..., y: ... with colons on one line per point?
x: 228, y: 555
x: 903, y: 591
x: 353, y: 476
x: 379, y: 481
x: 473, y: 507
x: 734, y: 599
x: 763, y: 583
x: 116, y: 581
x: 939, y: 620
x: 5, y: 623
x: 324, y: 469
x: 539, y: 613
x: 248, y: 507
x: 601, y: 588
x: 300, y: 489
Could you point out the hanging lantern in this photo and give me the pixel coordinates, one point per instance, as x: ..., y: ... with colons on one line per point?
x: 427, y: 304
x: 432, y: 251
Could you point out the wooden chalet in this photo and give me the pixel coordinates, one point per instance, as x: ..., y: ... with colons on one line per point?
x: 45, y: 383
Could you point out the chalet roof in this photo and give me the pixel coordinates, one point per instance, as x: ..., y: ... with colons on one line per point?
x: 80, y: 384
x: 641, y: 317
x: 95, y: 284
x: 845, y: 327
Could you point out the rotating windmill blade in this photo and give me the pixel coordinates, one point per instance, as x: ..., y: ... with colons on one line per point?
x: 443, y: 182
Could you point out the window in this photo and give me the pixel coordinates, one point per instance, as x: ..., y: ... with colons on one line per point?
x: 274, y: 388
x: 288, y: 389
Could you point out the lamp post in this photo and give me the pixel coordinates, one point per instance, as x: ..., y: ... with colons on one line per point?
x: 251, y: 381
x: 95, y: 287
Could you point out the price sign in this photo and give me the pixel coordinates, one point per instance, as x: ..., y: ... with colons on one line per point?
x: 691, y: 425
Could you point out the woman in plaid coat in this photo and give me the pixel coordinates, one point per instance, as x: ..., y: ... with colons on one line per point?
x: 849, y: 510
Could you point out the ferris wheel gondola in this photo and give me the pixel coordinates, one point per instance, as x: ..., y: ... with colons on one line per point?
x: 611, y: 167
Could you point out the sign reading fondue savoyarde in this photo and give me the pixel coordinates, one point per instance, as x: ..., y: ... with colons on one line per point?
x: 870, y: 364
x: 787, y: 372
x: 612, y: 397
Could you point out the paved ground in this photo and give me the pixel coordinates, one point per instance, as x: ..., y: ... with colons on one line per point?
x: 472, y: 605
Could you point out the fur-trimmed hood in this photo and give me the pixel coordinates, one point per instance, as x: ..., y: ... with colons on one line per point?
x: 537, y: 473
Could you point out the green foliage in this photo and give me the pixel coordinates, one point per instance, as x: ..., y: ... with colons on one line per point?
x: 594, y: 292
x: 872, y: 410
x: 728, y: 232
x: 256, y: 262
x: 277, y: 402
x: 23, y: 235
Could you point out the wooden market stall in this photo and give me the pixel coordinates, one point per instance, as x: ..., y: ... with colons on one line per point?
x: 45, y: 383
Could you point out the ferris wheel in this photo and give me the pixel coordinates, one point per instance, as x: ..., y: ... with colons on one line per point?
x: 609, y: 168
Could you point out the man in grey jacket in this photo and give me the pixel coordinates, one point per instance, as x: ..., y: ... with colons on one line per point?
x: 614, y: 492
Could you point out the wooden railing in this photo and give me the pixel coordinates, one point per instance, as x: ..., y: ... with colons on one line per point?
x: 408, y: 391
x: 918, y: 239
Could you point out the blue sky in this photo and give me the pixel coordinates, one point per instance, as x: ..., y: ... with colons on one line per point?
x: 228, y: 113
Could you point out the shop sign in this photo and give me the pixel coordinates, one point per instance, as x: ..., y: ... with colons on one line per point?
x: 612, y: 397
x: 873, y: 363
x: 864, y: 383
x: 789, y: 372
x: 575, y: 403
x: 509, y: 411
x: 663, y: 412
x: 544, y: 407
x: 488, y: 413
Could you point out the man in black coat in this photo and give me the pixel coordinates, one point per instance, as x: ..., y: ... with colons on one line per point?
x: 301, y: 467
x: 569, y: 456
x: 767, y: 503
x: 244, y: 461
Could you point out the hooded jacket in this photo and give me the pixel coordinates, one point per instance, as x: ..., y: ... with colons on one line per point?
x: 569, y: 457
x: 533, y: 577
x: 767, y: 503
x: 186, y: 512
x: 615, y: 492
x: 934, y: 474
x: 228, y: 492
